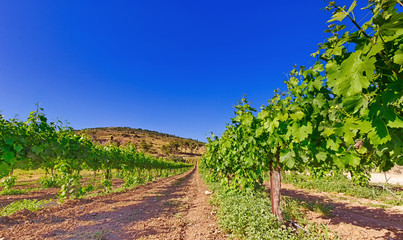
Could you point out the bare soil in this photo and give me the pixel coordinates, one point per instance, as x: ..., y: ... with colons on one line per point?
x: 352, y: 218
x: 177, y: 208
x: 393, y: 178
x: 170, y: 208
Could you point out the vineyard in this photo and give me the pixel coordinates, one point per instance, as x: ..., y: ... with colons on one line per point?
x: 298, y: 168
x: 343, y: 115
x: 54, y: 147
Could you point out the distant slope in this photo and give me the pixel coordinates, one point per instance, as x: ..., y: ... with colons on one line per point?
x: 155, y: 143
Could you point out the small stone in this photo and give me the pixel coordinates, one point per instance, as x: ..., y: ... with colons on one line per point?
x: 208, y: 192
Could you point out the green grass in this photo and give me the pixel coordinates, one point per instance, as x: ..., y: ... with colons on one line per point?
x: 13, y: 192
x: 341, y: 184
x: 247, y: 215
x: 37, y: 177
x: 31, y: 205
x: 27, y: 183
x: 99, y: 191
x: 293, y: 208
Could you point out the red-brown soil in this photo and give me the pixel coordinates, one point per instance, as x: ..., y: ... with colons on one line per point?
x: 352, y: 218
x: 177, y: 208
x: 171, y: 208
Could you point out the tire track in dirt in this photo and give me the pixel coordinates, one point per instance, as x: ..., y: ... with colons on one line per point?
x: 170, y: 208
x: 200, y: 220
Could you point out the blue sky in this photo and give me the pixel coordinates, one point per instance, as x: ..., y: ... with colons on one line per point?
x: 172, y: 66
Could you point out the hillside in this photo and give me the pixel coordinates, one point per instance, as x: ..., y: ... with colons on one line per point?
x: 155, y: 143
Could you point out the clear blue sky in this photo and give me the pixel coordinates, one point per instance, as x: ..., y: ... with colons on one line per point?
x: 172, y: 66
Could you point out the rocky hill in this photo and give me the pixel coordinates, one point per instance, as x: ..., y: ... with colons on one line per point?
x: 152, y: 142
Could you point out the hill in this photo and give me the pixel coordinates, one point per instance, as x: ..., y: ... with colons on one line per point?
x: 152, y: 142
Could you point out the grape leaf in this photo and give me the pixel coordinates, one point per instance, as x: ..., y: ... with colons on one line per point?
x: 321, y: 156
x: 9, y: 156
x: 287, y: 157
x: 353, y: 103
x: 351, y: 159
x: 330, y: 144
x: 380, y: 134
x: 351, y: 76
x: 398, y: 58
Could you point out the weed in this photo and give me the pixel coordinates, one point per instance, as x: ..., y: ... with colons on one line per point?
x: 102, y: 235
x: 107, y: 184
x: 247, y: 215
x: 51, y: 182
x: 132, y: 180
x: 88, y: 188
x: 8, y: 182
x: 13, y: 192
x: 31, y: 205
x: 341, y: 184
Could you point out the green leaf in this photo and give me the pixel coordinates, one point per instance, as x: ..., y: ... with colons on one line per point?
x: 375, y: 49
x: 318, y: 67
x: 319, y: 101
x: 318, y: 82
x: 287, y: 157
x: 4, y: 169
x: 397, y: 123
x: 393, y: 120
x: 321, y: 156
x: 315, y: 54
x: 353, y: 103
x: 349, y: 130
x: 304, y: 131
x: 362, y: 150
x: 380, y: 133
x: 394, y: 23
x: 351, y: 159
x: 282, y: 117
x: 37, y: 149
x: 9, y: 141
x: 348, y: 137
x: 293, y: 81
x: 338, y: 16
x: 327, y: 132
x: 259, y: 131
x: 330, y: 144
x: 298, y: 115
x: 9, y: 157
x: 352, y: 6
x: 18, y: 147
x: 365, y: 126
x: 398, y: 58
x: 351, y: 76
x: 338, y: 161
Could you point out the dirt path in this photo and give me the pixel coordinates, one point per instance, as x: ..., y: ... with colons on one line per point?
x: 392, y: 178
x: 171, y: 208
x: 352, y: 218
